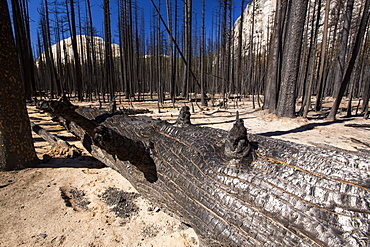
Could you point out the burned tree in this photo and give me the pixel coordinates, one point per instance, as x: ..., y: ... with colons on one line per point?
x: 16, y: 146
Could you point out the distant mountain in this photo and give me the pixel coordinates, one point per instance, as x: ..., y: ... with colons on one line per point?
x: 63, y: 50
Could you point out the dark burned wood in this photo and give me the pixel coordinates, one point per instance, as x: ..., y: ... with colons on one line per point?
x: 184, y: 117
x: 237, y: 146
x: 125, y: 149
x: 288, y: 195
x: 360, y: 142
x: 358, y: 125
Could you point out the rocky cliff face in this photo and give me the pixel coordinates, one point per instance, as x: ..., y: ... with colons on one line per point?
x: 258, y: 19
x: 258, y: 23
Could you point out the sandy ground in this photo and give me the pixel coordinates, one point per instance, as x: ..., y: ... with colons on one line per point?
x: 80, y: 202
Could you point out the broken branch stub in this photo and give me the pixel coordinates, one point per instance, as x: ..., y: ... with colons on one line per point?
x: 183, y: 119
x: 237, y: 146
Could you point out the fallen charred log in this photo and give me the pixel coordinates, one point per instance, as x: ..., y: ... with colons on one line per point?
x: 235, y: 189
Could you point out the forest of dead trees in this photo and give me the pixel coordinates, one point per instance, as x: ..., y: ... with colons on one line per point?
x: 326, y: 53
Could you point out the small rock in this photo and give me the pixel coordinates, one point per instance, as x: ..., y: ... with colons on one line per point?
x: 155, y: 210
x: 43, y: 235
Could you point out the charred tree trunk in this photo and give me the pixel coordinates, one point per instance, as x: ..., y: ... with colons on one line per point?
x: 291, y: 57
x: 187, y: 44
x: 23, y: 42
x: 108, y: 60
x: 203, y: 59
x: 341, y: 59
x: 76, y: 61
x: 322, y: 58
x: 234, y: 189
x: 311, y: 66
x: 275, y: 59
x: 16, y: 146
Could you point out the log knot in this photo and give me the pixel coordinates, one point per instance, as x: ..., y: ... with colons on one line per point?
x: 237, y: 146
x: 183, y: 119
x: 102, y: 135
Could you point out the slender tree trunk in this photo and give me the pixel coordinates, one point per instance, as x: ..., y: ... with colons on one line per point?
x: 188, y: 46
x: 170, y: 51
x: 311, y: 67
x: 322, y: 58
x: 340, y: 67
x: 159, y: 61
x: 76, y: 61
x: 365, y: 92
x: 23, y: 42
x: 92, y: 54
x: 240, y: 53
x: 203, y: 58
x: 291, y: 58
x: 274, y: 61
x: 109, y: 66
x: 251, y: 56
x: 16, y: 146
x: 366, y: 96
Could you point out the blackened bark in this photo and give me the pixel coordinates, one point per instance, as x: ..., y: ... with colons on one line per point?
x: 340, y: 62
x: 78, y: 73
x: 109, y: 66
x: 291, y: 58
x: 311, y: 66
x: 322, y: 59
x: 274, y: 61
x: 23, y: 42
x: 187, y: 45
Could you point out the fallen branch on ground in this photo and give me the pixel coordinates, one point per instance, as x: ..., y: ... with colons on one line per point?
x: 358, y: 125
x: 59, y: 147
x: 360, y: 142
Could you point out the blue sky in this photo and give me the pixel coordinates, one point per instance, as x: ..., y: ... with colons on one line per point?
x: 211, y: 9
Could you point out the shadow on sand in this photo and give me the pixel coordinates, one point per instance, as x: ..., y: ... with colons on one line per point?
x: 303, y: 128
